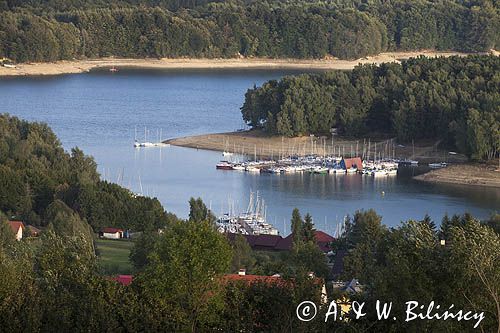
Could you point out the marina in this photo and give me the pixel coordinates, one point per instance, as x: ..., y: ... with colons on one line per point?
x: 251, y: 222
x: 316, y: 165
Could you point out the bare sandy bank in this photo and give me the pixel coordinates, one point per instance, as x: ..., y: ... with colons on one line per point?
x: 256, y: 142
x: 464, y: 174
x: 81, y: 66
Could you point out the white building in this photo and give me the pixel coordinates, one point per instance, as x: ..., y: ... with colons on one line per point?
x: 111, y: 233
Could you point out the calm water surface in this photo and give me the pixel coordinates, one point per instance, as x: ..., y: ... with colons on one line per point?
x: 100, y: 111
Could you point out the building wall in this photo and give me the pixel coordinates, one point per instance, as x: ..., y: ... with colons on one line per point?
x: 19, y: 234
x: 116, y: 235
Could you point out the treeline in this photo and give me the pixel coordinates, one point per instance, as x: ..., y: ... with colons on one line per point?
x: 43, y: 185
x: 456, y: 100
x: 52, y: 30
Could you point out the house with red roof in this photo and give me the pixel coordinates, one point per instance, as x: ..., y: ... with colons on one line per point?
x: 111, y: 233
x: 355, y: 162
x: 33, y: 231
x: 17, y: 228
x: 273, y: 280
x: 278, y: 243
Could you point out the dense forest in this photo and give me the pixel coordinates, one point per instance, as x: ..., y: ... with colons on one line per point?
x: 51, y: 30
x: 455, y: 100
x: 42, y: 184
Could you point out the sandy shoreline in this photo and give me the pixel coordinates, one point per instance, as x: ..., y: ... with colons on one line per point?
x: 263, y: 146
x: 464, y: 174
x: 82, y: 66
x: 256, y: 142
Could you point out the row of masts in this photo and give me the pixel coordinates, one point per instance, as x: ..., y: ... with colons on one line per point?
x: 367, y: 150
x: 146, y: 143
x: 256, y: 207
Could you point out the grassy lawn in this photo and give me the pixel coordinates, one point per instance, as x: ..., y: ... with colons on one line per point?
x: 113, y: 256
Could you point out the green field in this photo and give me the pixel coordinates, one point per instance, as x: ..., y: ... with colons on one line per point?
x: 114, y: 256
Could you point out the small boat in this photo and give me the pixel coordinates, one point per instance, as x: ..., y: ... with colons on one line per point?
x: 224, y: 166
x: 113, y: 69
x: 438, y: 165
x: 320, y: 170
x: 352, y: 170
x: 252, y: 169
x: 390, y: 172
x: 226, y: 153
x: 408, y: 162
x: 337, y: 170
x: 146, y: 144
x: 239, y: 167
x: 378, y: 173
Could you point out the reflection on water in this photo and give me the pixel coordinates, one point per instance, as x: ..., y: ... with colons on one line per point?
x: 98, y: 112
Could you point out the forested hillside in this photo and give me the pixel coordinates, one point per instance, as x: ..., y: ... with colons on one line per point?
x: 456, y: 100
x: 51, y: 30
x: 43, y: 185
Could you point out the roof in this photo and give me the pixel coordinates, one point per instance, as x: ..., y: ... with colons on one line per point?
x: 123, y: 279
x: 111, y: 230
x: 269, y: 280
x: 259, y: 242
x: 353, y: 162
x: 322, y: 239
x: 253, y: 278
x: 15, y: 225
x: 33, y: 229
x: 278, y: 243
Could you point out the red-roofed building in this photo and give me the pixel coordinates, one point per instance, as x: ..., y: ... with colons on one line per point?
x: 34, y: 231
x: 249, y: 279
x: 111, y: 233
x: 323, y: 241
x: 278, y: 243
x: 355, y: 162
x: 260, y: 242
x: 123, y: 279
x: 272, y: 280
x: 17, y: 228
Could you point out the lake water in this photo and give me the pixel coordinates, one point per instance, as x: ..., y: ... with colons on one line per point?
x: 100, y: 111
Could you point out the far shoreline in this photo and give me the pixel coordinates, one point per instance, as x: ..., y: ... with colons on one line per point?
x: 86, y: 65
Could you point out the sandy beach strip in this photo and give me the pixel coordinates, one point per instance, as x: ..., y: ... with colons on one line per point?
x: 259, y: 143
x: 85, y: 65
x: 256, y: 142
x: 464, y: 174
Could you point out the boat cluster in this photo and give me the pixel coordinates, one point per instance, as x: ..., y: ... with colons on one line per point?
x: 315, y: 164
x: 251, y: 222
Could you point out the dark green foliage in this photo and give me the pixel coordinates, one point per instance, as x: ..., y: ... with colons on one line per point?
x: 410, y: 263
x: 305, y: 256
x: 455, y: 100
x: 43, y: 185
x: 199, y: 212
x: 242, y: 255
x: 494, y: 222
x: 269, y: 306
x: 51, y: 30
x: 182, y: 277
